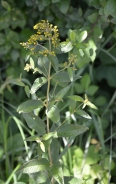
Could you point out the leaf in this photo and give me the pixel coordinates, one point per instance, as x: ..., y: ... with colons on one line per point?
x: 42, y: 146
x: 83, y: 114
x: 40, y: 177
x: 35, y: 122
x: 75, y: 180
x: 91, y: 50
x: 55, y: 1
x: 92, y: 155
x: 54, y: 61
x: 57, y: 173
x: 66, y: 46
x: 72, y: 35
x: 76, y: 98
x: 54, y: 147
x: 2, y: 39
x: 43, y: 64
x: 70, y: 72
x: 32, y: 138
x: 85, y: 81
x: 110, y: 7
x: 48, y: 136
x: 91, y: 105
x: 92, y: 90
x: 61, y: 93
x: 69, y: 130
x: 6, y: 5
x: 92, y: 18
x: 32, y: 63
x: 54, y: 114
x: 63, y: 6
x: 17, y: 82
x: 82, y: 36
x: 27, y: 90
x: 27, y: 57
x: 61, y: 77
x: 34, y: 166
x: 37, y: 84
x: 29, y: 106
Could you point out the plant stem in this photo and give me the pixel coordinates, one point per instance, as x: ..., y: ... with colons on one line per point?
x: 47, y: 103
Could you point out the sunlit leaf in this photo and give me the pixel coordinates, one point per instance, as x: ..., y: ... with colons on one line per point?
x: 66, y: 47
x: 54, y: 114
x: 83, y: 114
x: 82, y: 36
x: 91, y: 105
x: 37, y: 84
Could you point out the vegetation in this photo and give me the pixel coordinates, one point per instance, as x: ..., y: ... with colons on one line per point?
x: 57, y: 135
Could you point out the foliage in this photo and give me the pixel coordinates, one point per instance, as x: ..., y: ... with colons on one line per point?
x: 91, y: 36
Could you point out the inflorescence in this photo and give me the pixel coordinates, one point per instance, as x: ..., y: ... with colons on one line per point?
x: 45, y: 32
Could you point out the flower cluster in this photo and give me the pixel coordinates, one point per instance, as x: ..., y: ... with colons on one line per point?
x: 45, y: 32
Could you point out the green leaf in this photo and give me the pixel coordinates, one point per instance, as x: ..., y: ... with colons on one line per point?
x: 85, y: 81
x: 37, y: 84
x: 70, y: 72
x: 95, y: 3
x: 34, y: 166
x: 91, y: 50
x: 72, y: 35
x: 2, y: 39
x: 43, y: 65
x: 91, y: 105
x: 61, y: 77
x: 76, y: 98
x: 27, y: 57
x: 34, y: 122
x: 63, y: 6
x: 57, y: 173
x: 61, y: 93
x: 92, y: 155
x: 54, y: 147
x: 83, y: 114
x: 55, y: 1
x: 110, y: 7
x: 100, y: 101
x: 29, y: 106
x: 32, y: 63
x: 6, y: 5
x: 69, y: 130
x: 40, y: 177
x: 82, y: 36
x: 17, y: 82
x: 32, y: 138
x: 91, y: 90
x: 54, y: 114
x: 27, y: 91
x: 76, y: 180
x: 48, y: 136
x: 92, y: 18
x: 66, y: 46
x: 54, y: 61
